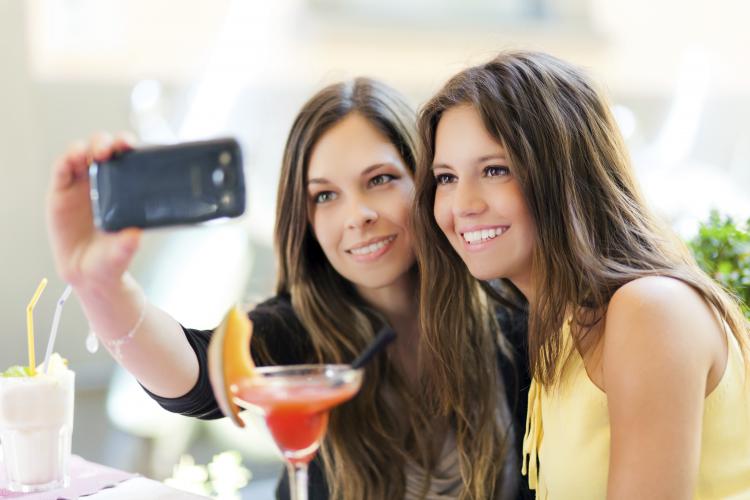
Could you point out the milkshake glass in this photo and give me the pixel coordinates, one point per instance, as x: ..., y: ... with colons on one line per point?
x: 36, y: 424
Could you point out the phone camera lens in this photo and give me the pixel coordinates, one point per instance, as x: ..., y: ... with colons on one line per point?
x: 227, y: 199
x: 217, y: 177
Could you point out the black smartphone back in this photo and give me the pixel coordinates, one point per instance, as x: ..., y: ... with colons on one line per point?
x: 168, y: 185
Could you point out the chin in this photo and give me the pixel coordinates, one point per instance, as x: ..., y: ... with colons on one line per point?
x: 374, y: 282
x: 485, y: 273
x: 378, y: 278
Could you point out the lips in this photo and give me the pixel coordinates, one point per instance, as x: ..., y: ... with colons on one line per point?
x: 479, y: 235
x: 371, y: 246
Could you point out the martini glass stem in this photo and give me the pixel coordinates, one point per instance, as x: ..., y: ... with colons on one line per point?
x: 297, y: 480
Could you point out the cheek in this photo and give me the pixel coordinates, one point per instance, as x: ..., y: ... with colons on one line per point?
x: 529, y: 236
x: 405, y: 214
x: 395, y: 207
x: 522, y: 215
x: 324, y: 232
x: 442, y: 212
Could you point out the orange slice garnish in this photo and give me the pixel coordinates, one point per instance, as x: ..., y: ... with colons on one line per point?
x: 229, y: 360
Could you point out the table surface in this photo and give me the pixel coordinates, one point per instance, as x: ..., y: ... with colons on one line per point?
x: 141, y: 487
x: 98, y: 482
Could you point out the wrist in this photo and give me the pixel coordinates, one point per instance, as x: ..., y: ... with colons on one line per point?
x: 113, y: 292
x: 114, y: 309
x: 115, y: 344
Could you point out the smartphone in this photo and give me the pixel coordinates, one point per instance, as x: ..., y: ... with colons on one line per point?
x: 168, y: 185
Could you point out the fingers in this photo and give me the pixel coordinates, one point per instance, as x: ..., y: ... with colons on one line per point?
x: 130, y: 239
x: 100, y: 146
x: 74, y: 164
x: 70, y: 166
x: 124, y: 141
x: 103, y: 145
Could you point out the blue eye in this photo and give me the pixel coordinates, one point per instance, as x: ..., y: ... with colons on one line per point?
x: 496, y: 171
x: 323, y: 197
x: 445, y: 178
x: 381, y: 179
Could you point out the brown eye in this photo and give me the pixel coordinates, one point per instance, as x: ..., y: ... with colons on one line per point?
x: 496, y: 171
x: 445, y: 178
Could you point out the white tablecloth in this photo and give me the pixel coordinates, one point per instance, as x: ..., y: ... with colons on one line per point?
x: 142, y: 488
x: 91, y: 481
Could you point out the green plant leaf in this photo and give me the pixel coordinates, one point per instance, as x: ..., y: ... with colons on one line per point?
x: 722, y: 249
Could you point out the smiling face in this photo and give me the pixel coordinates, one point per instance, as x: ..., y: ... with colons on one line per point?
x: 360, y: 194
x: 479, y: 204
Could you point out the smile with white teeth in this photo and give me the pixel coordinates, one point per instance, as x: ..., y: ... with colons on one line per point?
x: 476, y: 237
x: 372, y: 248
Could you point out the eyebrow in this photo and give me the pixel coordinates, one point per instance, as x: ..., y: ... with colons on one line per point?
x: 481, y: 159
x: 323, y: 180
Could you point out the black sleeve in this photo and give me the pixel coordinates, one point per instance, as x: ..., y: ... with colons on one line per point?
x: 199, y: 401
x: 278, y: 338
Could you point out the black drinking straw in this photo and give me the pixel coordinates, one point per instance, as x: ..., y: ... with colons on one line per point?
x: 384, y: 337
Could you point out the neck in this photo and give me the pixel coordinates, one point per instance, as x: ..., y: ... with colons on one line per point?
x: 396, y: 301
x: 525, y: 286
x: 399, y: 304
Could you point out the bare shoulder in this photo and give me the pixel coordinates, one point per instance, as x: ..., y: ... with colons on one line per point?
x: 664, y: 306
x: 661, y: 355
x: 661, y: 327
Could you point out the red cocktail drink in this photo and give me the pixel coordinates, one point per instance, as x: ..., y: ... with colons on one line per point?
x: 296, y: 415
x: 295, y: 401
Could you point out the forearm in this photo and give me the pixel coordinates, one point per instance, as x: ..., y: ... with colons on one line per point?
x: 158, y: 354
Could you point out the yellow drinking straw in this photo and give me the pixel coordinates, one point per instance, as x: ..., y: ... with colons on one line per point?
x: 30, y: 324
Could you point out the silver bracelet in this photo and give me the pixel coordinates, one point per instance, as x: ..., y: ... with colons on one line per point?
x: 115, y: 345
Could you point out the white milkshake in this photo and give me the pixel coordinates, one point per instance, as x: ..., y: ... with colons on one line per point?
x: 36, y: 423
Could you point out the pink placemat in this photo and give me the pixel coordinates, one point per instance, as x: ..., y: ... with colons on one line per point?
x: 86, y: 478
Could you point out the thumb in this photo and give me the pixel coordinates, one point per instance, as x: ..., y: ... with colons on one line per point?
x: 126, y: 243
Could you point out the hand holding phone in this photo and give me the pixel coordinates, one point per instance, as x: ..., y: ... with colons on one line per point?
x: 168, y: 185
x: 85, y: 257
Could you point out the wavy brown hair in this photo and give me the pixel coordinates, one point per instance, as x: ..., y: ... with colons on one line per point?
x: 594, y: 232
x: 368, y: 445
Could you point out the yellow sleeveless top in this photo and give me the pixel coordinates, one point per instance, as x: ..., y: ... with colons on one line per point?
x: 567, y: 430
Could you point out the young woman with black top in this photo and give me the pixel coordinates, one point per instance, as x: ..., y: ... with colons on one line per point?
x: 345, y: 267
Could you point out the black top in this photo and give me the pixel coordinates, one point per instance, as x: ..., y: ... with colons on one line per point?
x: 276, y: 326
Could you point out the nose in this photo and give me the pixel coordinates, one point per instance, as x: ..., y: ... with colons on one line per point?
x: 360, y: 214
x: 467, y: 200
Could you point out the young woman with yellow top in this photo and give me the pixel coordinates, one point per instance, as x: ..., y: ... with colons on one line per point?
x: 639, y: 360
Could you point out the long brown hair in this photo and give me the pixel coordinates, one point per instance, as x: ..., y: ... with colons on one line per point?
x: 594, y: 232
x: 367, y: 445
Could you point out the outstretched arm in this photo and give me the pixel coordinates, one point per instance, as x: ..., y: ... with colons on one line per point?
x: 95, y: 264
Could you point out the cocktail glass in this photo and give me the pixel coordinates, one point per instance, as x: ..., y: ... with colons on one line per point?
x: 295, y: 401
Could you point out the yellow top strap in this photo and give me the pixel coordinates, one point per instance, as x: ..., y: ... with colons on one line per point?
x: 533, y: 437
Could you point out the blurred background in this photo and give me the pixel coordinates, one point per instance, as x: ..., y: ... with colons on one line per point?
x: 676, y: 73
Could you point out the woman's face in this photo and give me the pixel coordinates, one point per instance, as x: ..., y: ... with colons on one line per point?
x: 360, y: 195
x: 478, y: 201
